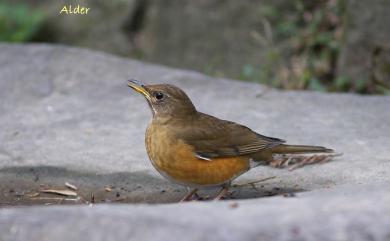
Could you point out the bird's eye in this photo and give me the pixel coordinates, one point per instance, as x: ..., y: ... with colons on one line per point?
x: 158, y: 95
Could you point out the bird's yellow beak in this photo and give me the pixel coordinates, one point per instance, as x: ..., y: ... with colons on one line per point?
x: 139, y: 87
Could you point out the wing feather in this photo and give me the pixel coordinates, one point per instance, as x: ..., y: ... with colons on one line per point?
x: 212, y: 138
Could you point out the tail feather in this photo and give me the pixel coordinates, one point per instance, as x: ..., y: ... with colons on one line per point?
x: 299, y: 149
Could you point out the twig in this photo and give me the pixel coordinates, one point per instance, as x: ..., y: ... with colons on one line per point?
x: 92, y: 198
x: 254, y: 182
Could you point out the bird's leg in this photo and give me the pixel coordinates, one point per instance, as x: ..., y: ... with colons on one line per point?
x: 189, y: 195
x: 221, y: 193
x: 197, y: 197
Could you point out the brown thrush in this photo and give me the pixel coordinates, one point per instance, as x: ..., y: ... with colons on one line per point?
x: 198, y: 150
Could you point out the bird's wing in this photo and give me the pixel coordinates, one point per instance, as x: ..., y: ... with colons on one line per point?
x: 212, y: 137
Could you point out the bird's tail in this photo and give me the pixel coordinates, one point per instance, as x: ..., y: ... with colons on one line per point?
x: 299, y: 149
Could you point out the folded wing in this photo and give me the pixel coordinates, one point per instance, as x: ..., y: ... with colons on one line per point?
x: 213, y: 138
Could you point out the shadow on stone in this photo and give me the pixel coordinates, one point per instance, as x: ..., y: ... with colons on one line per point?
x: 23, y: 185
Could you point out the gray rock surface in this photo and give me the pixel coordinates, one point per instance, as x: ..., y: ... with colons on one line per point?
x: 315, y: 216
x: 67, y: 116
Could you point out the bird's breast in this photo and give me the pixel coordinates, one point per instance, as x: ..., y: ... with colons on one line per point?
x: 175, y: 159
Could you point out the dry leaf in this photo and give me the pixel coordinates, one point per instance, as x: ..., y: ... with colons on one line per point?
x: 56, y: 198
x: 71, y: 186
x: 108, y: 189
x: 35, y: 194
x: 233, y: 205
x: 60, y: 192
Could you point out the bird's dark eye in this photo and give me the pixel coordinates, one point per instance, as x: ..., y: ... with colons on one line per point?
x: 158, y: 95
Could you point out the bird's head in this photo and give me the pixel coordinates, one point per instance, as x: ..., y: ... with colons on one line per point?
x: 165, y: 100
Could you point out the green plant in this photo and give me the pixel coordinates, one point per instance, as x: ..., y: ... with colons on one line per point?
x: 18, y: 23
x: 312, y: 32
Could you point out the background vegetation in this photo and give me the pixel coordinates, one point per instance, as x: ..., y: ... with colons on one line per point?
x: 313, y: 33
x: 18, y: 23
x: 285, y: 44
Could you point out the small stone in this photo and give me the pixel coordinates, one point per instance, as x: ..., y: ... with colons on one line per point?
x: 289, y: 194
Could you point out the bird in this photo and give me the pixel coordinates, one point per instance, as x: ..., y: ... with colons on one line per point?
x: 201, y: 151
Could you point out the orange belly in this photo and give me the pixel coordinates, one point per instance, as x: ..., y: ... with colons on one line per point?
x: 177, y: 161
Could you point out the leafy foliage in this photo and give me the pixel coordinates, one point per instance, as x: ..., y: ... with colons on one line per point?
x: 18, y: 23
x: 312, y: 33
